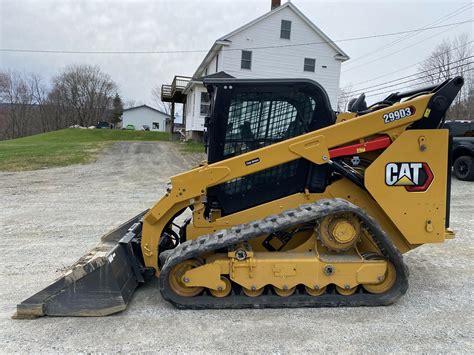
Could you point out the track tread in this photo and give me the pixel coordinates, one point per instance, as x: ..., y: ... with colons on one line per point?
x: 272, y: 223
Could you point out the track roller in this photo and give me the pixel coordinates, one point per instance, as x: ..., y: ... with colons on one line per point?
x: 284, y: 292
x: 253, y: 293
x: 222, y: 292
x: 346, y: 291
x: 315, y: 291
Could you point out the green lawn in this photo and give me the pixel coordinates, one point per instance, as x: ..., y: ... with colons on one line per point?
x: 193, y: 147
x: 65, y: 147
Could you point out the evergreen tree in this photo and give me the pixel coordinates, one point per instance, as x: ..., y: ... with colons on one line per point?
x: 117, y: 109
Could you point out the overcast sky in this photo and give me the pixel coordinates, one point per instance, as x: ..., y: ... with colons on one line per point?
x: 101, y: 25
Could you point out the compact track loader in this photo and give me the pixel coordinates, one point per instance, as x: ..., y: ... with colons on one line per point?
x: 296, y: 206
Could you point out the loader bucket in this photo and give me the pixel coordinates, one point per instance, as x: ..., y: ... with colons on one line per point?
x: 100, y: 283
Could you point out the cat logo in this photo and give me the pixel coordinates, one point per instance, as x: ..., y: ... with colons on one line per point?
x: 415, y: 177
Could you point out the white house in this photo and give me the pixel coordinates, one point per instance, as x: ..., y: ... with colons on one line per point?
x: 145, y: 115
x: 283, y: 43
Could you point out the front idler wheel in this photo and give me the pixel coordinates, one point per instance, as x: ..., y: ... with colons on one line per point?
x: 178, y: 281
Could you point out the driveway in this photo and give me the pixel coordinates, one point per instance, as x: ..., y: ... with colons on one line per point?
x: 49, y: 218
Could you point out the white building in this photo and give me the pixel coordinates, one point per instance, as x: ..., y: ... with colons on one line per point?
x: 145, y: 115
x: 282, y: 43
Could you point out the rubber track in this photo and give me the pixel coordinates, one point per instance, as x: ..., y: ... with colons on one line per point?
x: 304, y: 213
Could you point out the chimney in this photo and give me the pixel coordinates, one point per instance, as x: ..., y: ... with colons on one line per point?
x: 275, y: 4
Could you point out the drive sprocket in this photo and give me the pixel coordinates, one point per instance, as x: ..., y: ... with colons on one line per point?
x: 339, y: 232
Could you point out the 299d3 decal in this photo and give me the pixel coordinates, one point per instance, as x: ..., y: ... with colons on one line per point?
x: 399, y: 114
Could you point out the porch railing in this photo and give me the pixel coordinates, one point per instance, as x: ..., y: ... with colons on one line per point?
x: 174, y: 92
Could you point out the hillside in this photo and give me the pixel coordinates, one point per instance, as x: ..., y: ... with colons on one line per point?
x: 65, y: 147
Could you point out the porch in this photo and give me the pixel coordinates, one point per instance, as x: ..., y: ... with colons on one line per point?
x: 174, y: 92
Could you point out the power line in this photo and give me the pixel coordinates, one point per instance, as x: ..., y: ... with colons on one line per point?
x: 441, y: 19
x: 18, y: 50
x: 409, y: 81
x: 417, y: 74
x: 399, y: 50
x: 426, y: 77
x: 407, y: 87
x: 409, y: 66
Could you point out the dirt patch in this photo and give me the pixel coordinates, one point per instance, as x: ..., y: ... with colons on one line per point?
x: 49, y: 218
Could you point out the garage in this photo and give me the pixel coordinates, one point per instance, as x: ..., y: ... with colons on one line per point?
x: 145, y: 117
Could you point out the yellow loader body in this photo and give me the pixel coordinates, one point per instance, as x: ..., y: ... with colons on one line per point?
x: 296, y: 207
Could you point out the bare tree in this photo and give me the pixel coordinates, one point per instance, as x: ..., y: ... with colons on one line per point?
x: 5, y: 103
x: 60, y: 115
x: 343, y: 98
x: 156, y: 95
x: 40, y: 99
x: 84, y: 92
x: 16, y: 94
x: 80, y: 94
x: 129, y: 103
x: 132, y: 103
x: 449, y: 59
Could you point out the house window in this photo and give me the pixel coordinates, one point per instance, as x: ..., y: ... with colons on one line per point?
x: 205, y: 103
x: 309, y: 64
x: 285, y: 29
x: 246, y: 62
x: 155, y: 125
x: 217, y: 63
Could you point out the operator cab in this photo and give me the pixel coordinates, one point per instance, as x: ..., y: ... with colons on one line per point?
x: 250, y: 114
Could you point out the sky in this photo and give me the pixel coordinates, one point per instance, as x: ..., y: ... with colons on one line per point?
x: 168, y: 25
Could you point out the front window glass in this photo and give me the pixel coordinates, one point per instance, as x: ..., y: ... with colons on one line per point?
x: 258, y: 120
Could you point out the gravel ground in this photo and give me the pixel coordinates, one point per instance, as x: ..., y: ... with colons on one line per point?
x: 49, y: 218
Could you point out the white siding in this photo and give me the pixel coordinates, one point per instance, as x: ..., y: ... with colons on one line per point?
x: 278, y: 62
x: 283, y: 62
x: 211, y: 68
x: 194, y: 119
x: 189, y: 111
x: 144, y: 116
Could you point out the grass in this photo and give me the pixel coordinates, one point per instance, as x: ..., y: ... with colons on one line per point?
x: 193, y: 147
x: 65, y: 147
